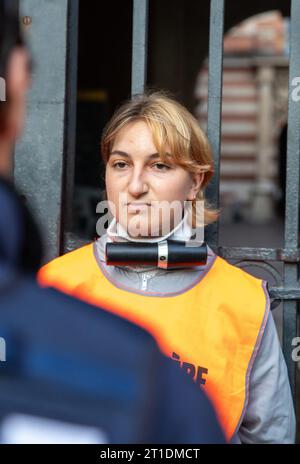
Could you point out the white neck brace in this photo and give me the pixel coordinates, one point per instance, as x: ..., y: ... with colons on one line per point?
x: 182, y: 231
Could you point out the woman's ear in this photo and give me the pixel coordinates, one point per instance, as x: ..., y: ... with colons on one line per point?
x: 197, y: 180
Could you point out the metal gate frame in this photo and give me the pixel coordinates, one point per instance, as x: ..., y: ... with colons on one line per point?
x: 288, y: 287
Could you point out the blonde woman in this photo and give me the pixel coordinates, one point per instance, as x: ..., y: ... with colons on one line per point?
x: 213, y: 320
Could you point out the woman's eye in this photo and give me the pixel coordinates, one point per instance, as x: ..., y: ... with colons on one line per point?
x: 119, y: 165
x: 162, y: 166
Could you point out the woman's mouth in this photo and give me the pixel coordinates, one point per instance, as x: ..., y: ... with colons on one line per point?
x: 137, y: 206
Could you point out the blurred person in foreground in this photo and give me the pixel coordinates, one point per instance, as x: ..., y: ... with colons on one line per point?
x: 72, y: 373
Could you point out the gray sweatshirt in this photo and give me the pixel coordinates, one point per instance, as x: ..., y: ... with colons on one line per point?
x: 269, y: 416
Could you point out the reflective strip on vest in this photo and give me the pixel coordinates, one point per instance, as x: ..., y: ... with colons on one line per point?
x: 212, y: 330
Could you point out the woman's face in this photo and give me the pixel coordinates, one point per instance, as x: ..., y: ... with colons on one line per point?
x: 148, y: 195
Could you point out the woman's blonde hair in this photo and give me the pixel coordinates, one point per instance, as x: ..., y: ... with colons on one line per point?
x: 171, y: 125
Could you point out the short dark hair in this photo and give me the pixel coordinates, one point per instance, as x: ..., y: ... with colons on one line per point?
x: 10, y: 31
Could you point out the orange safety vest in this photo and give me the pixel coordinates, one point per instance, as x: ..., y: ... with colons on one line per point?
x: 212, y: 330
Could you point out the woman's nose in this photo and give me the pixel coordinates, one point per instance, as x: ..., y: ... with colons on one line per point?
x: 137, y: 184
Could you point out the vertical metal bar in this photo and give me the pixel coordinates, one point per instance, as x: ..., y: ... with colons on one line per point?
x: 292, y: 193
x: 70, y: 121
x: 39, y: 156
x: 139, y: 46
x: 215, y: 80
